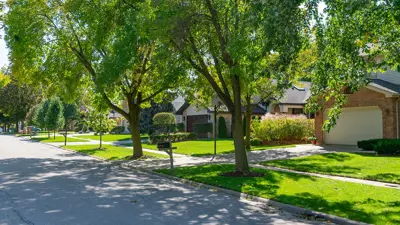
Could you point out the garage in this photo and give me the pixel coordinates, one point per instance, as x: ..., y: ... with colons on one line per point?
x: 354, y: 124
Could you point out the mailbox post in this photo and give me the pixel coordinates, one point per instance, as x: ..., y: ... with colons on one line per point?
x: 167, y: 147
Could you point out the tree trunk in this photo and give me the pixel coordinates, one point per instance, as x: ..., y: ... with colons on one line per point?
x: 48, y: 134
x: 16, y: 126
x: 241, y: 162
x: 134, y: 113
x: 54, y: 133
x: 248, y: 121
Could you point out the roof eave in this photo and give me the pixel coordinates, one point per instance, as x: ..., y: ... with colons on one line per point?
x: 386, y: 91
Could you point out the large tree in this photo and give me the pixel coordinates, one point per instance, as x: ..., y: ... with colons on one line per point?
x: 225, y: 42
x: 353, y: 39
x: 16, y: 100
x: 68, y: 44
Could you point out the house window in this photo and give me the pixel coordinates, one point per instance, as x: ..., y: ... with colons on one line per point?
x: 298, y: 111
x: 184, y: 118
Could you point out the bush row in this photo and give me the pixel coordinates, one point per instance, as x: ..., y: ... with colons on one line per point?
x: 282, y: 127
x: 381, y: 146
x: 117, y: 130
x: 176, y: 137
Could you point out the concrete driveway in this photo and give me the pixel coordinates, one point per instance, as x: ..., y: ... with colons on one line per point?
x: 41, y: 184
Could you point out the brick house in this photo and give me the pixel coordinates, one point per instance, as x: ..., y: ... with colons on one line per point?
x: 372, y: 112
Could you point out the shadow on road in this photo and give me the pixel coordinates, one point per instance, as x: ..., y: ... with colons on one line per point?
x: 80, y: 191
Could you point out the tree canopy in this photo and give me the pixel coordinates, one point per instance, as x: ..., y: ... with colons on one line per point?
x: 353, y: 40
x: 108, y: 47
x: 227, y: 43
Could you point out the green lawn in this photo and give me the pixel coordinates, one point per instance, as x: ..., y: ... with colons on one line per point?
x: 375, y: 205
x: 111, y: 137
x: 58, y: 139
x: 358, y: 165
x: 206, y: 147
x: 110, y: 152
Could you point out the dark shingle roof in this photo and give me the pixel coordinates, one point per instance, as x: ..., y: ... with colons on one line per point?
x: 182, y: 108
x: 296, y: 95
x: 385, y: 84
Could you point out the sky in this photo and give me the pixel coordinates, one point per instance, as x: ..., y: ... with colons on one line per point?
x: 4, y: 51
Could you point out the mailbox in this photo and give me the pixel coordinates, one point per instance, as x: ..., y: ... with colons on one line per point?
x: 164, y: 145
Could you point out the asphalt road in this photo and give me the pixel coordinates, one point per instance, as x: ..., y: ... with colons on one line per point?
x: 41, y: 184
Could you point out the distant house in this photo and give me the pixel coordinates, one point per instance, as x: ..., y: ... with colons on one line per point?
x: 372, y: 112
x: 293, y: 101
x: 192, y: 115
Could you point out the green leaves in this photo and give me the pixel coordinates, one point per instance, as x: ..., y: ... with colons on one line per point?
x: 55, y: 114
x: 351, y: 42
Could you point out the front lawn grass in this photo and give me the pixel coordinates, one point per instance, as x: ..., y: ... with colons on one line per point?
x: 57, y: 139
x: 111, y: 137
x: 206, y: 147
x: 370, y: 204
x: 110, y: 152
x: 357, y: 165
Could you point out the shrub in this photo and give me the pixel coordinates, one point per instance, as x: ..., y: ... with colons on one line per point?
x: 381, y: 146
x: 177, y: 137
x: 282, y: 128
x: 180, y: 127
x: 117, y: 130
x: 255, y: 142
x: 202, y: 128
x: 367, y: 145
x: 222, y: 130
x: 164, y: 118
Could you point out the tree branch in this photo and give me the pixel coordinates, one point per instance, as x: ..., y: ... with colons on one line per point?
x: 214, y: 18
x: 115, y: 107
x: 153, y: 95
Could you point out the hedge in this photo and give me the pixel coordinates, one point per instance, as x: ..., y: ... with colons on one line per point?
x: 282, y: 127
x: 117, y: 130
x: 164, y: 118
x: 176, y: 137
x: 202, y: 128
x: 381, y: 146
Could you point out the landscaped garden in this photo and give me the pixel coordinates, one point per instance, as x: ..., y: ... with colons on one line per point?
x: 56, y: 139
x: 206, y: 147
x: 357, y: 165
x: 110, y: 152
x: 111, y: 137
x: 370, y: 204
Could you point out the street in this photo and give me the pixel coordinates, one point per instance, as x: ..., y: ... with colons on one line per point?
x: 41, y: 184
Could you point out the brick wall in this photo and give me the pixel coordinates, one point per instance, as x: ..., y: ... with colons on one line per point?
x: 363, y: 98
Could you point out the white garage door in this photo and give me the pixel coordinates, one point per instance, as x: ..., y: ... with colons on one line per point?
x: 355, y: 124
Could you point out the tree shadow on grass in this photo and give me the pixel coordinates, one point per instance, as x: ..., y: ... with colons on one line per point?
x: 270, y: 186
x: 387, y: 177
x: 380, y: 212
x: 318, y: 165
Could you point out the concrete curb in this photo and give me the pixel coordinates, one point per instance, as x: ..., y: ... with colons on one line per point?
x: 285, y: 207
